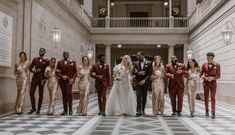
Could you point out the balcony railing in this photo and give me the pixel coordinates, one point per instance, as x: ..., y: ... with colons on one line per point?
x: 78, y: 10
x: 198, y: 14
x: 202, y: 10
x: 153, y: 22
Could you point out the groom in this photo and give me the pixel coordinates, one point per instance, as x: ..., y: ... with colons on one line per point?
x: 100, y: 71
x: 142, y: 70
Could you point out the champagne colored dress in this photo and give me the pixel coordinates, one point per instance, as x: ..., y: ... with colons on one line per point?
x: 21, y: 83
x: 84, y: 89
x: 158, y: 91
x: 52, y: 85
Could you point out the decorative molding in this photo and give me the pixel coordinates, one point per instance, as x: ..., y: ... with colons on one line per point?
x: 211, y: 25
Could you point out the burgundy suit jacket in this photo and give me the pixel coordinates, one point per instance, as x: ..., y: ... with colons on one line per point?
x: 39, y: 65
x: 70, y: 69
x: 105, y: 81
x: 178, y: 78
x: 214, y: 71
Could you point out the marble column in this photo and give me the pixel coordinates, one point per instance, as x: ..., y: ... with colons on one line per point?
x: 170, y: 8
x: 107, y: 19
x: 170, y: 51
x: 88, y: 6
x: 108, y: 8
x: 171, y: 18
x: 108, y: 55
x: 191, y: 6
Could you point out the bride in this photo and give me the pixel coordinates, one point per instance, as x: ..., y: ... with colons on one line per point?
x: 121, y: 100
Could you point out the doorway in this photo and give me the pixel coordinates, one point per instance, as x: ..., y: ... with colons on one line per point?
x: 135, y: 22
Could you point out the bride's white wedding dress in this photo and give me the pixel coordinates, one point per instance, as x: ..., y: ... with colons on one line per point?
x: 121, y: 100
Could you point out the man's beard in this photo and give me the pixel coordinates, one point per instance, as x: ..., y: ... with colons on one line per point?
x: 174, y: 62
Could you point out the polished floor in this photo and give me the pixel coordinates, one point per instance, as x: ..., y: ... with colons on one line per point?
x: 92, y: 124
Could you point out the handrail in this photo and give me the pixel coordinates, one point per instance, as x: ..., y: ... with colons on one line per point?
x: 205, y: 7
x: 153, y: 22
x: 121, y: 22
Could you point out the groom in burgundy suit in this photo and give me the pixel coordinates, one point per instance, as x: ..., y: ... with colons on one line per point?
x: 175, y: 72
x: 100, y: 71
x: 67, y: 71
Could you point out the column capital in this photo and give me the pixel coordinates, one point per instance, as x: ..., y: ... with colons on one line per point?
x: 107, y: 44
x: 171, y: 45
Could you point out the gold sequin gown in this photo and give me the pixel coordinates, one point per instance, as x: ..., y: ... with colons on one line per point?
x: 21, y: 83
x: 84, y: 89
x: 52, y: 85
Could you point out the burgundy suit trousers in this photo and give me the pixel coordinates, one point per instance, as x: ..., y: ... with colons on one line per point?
x: 176, y: 92
x: 101, y: 92
x: 209, y: 89
x: 66, y: 90
x: 34, y: 83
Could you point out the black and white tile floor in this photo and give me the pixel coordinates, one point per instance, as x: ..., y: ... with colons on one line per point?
x: 92, y: 124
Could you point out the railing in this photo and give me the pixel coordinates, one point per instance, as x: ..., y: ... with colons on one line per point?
x: 160, y: 22
x: 202, y: 10
x: 152, y: 22
x: 78, y: 10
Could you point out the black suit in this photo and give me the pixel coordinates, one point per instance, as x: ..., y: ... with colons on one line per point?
x: 141, y: 90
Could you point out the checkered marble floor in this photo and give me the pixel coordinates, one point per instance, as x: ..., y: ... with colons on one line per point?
x: 92, y: 124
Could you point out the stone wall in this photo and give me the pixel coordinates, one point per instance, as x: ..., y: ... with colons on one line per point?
x: 33, y: 21
x: 207, y: 38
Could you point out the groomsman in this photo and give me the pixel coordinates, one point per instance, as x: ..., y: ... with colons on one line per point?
x: 37, y: 67
x: 100, y: 71
x: 143, y: 71
x: 175, y: 71
x: 210, y: 72
x: 66, y: 70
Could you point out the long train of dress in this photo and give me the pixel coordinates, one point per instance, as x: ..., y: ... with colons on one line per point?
x: 122, y: 100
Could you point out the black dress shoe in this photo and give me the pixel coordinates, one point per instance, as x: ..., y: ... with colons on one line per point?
x: 19, y: 113
x: 103, y: 114
x: 143, y: 113
x: 70, y: 112
x: 138, y: 114
x: 64, y: 113
x: 213, y: 116
x: 173, y: 114
x: 38, y: 112
x: 99, y: 113
x: 179, y: 114
x: 207, y: 114
x: 31, y: 111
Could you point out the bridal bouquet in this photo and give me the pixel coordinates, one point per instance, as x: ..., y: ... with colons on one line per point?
x: 117, y: 72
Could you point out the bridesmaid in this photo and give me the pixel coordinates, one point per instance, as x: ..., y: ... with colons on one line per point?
x: 191, y: 84
x: 83, y: 85
x: 52, y: 85
x: 157, y: 86
x: 21, y: 71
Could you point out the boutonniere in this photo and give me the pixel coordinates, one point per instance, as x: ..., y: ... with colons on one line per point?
x: 105, y: 66
x: 72, y: 64
x: 146, y: 66
x: 43, y: 62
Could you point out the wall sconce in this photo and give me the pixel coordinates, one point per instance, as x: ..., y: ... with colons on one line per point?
x: 227, y: 33
x: 56, y: 35
x: 89, y: 54
x: 189, y: 54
